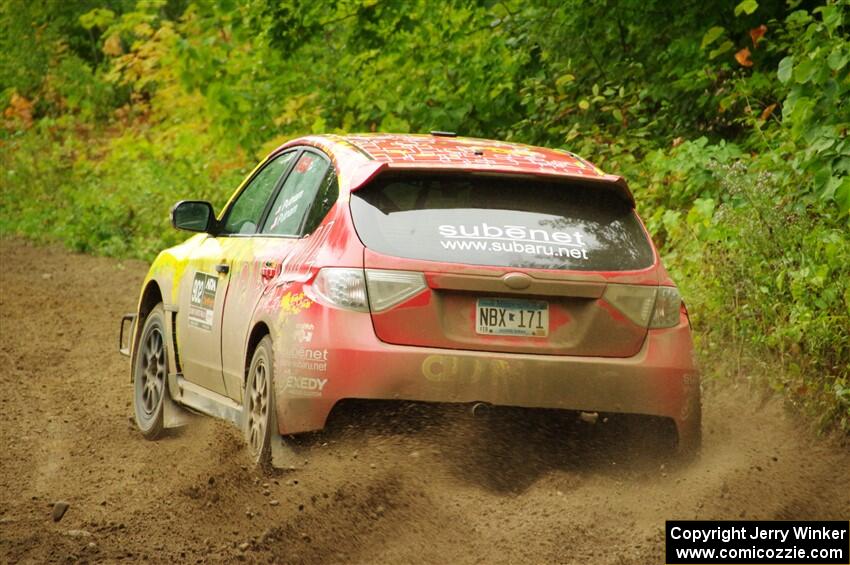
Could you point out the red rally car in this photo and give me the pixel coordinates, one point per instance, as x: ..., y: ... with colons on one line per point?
x: 427, y: 268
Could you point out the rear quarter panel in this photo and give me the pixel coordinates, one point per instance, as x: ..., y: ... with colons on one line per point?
x: 297, y: 321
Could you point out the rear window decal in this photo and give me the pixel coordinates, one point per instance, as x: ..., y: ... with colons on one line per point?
x: 202, y: 303
x: 510, y: 238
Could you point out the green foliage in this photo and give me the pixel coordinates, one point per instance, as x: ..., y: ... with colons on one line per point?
x: 746, y: 7
x: 111, y: 199
x: 729, y: 118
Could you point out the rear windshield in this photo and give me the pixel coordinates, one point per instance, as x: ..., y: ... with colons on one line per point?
x: 503, y: 222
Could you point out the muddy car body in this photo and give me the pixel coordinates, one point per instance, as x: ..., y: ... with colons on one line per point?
x: 412, y: 267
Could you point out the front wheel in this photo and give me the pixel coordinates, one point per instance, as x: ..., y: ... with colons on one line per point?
x: 149, y: 375
x: 259, y: 403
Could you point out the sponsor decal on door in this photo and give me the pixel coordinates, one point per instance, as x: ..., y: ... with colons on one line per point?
x: 202, y: 302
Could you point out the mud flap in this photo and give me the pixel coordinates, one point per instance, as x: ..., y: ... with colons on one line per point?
x: 173, y: 416
x: 125, y: 349
x: 283, y: 455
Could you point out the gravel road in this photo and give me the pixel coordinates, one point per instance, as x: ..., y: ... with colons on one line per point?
x: 432, y: 486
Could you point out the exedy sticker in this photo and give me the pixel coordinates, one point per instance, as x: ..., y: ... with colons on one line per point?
x: 304, y: 386
x: 202, y: 302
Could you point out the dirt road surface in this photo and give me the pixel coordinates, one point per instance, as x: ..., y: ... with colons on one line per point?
x: 431, y: 487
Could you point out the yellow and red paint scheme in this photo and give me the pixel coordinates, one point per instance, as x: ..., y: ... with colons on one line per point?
x: 334, y: 354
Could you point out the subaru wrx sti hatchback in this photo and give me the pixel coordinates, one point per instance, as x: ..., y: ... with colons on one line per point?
x: 425, y: 268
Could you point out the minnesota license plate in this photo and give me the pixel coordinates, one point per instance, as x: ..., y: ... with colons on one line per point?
x: 507, y: 316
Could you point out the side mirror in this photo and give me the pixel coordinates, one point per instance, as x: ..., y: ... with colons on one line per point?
x: 193, y: 215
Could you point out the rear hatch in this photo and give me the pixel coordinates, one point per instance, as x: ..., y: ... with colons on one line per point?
x: 507, y: 264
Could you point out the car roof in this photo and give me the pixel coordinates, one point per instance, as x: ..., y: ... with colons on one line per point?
x: 363, y: 156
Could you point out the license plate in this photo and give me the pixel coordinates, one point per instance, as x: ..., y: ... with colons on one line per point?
x: 505, y: 316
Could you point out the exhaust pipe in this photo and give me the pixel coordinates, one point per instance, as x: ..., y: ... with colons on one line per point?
x: 480, y: 409
x: 589, y: 417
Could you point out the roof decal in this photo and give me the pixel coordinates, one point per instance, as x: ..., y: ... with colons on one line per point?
x: 359, y: 157
x: 478, y: 153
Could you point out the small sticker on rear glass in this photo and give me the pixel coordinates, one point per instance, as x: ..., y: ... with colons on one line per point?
x: 202, y: 303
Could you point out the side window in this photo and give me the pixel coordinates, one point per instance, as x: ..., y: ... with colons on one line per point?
x: 326, y: 197
x: 245, y: 213
x: 296, y: 195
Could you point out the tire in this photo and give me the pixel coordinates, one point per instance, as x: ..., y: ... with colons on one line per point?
x: 150, y: 375
x: 259, y: 403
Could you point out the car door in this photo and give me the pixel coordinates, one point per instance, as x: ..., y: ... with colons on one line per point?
x: 205, y: 281
x: 255, y: 269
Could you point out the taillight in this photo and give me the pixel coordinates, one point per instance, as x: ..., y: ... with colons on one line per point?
x: 667, y: 307
x: 343, y: 288
x: 635, y: 302
x: 647, y: 306
x: 347, y: 288
x: 388, y: 288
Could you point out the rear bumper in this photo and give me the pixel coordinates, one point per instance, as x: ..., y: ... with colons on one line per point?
x: 660, y: 380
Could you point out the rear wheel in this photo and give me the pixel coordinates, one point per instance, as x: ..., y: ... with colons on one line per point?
x: 149, y: 375
x: 259, y: 403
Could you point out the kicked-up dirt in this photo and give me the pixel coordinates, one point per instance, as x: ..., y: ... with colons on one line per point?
x: 413, y: 485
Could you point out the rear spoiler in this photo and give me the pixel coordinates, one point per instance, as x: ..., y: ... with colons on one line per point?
x: 368, y: 171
